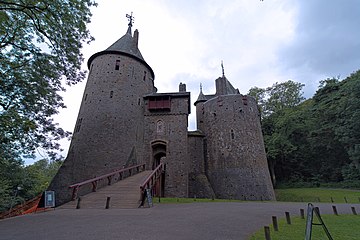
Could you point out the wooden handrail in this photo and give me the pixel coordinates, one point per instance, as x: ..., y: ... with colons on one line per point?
x: 151, y: 177
x: 109, y: 176
x: 150, y: 182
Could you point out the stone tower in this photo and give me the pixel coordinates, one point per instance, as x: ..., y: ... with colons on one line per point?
x: 124, y: 121
x: 109, y: 128
x: 235, y: 161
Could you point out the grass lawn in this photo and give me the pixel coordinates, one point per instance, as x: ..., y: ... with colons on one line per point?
x: 316, y: 194
x: 344, y: 227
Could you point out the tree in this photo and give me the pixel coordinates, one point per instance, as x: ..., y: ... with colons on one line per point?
x: 273, y: 103
x: 40, y: 43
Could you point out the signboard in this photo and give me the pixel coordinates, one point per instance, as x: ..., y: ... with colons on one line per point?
x: 309, y: 220
x: 49, y: 199
x: 149, y: 197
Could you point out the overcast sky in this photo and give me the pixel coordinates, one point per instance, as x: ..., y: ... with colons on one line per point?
x: 260, y: 42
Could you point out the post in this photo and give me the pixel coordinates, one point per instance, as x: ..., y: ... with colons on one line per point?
x: 302, y: 213
x: 353, y: 210
x: 267, y: 233
x: 332, y: 200
x: 275, y: 223
x: 345, y: 200
x: 334, y: 210
x: 107, y: 203
x: 78, y: 203
x: 288, y: 220
x: 318, y: 199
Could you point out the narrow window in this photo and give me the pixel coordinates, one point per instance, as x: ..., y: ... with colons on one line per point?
x: 144, y: 75
x: 111, y: 94
x: 232, y: 134
x: 117, y: 65
x: 78, y: 125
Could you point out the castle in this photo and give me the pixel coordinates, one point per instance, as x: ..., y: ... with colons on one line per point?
x: 124, y: 121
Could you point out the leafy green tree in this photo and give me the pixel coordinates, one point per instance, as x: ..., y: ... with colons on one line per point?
x: 38, y: 176
x: 278, y: 97
x: 40, y: 43
x: 273, y: 103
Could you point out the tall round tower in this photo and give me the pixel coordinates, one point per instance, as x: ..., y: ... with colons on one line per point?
x: 109, y: 127
x: 235, y: 158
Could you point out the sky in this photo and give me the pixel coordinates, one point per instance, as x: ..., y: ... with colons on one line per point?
x: 259, y: 42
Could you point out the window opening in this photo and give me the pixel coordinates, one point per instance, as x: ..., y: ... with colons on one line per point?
x: 144, y: 75
x: 117, y: 65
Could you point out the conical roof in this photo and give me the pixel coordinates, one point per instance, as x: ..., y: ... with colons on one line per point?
x: 126, y: 44
x: 201, y: 97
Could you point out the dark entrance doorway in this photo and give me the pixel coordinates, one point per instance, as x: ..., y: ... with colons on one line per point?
x: 158, y: 153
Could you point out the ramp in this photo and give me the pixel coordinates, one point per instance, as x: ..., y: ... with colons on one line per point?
x: 123, y: 194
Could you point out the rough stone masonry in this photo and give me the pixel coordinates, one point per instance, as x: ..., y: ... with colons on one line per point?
x: 124, y: 121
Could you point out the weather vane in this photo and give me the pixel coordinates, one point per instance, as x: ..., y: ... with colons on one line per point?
x: 222, y: 67
x: 131, y: 19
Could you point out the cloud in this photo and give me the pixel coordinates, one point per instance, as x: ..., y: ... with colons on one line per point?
x: 260, y: 42
x: 326, y: 41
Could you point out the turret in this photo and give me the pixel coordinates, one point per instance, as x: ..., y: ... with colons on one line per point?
x: 199, y: 104
x: 109, y: 127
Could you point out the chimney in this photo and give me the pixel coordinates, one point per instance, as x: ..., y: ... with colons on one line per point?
x: 182, y: 87
x: 136, y: 37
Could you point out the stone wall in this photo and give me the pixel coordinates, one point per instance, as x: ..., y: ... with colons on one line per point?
x: 172, y: 132
x: 109, y: 129
x: 199, y: 185
x: 237, y: 164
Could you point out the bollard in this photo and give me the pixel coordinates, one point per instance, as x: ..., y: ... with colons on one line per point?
x: 194, y: 198
x: 275, y: 223
x: 335, y: 210
x: 332, y: 200
x: 353, y: 210
x: 302, y: 213
x: 78, y: 203
x: 107, y: 203
x: 345, y: 200
x: 288, y: 220
x: 267, y: 233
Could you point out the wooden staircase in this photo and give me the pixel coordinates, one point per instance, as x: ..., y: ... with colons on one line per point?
x: 123, y: 194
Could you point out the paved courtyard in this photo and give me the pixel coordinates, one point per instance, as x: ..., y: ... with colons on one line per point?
x: 165, y: 221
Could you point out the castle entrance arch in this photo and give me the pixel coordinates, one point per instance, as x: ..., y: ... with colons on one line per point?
x: 158, y: 155
x: 158, y: 152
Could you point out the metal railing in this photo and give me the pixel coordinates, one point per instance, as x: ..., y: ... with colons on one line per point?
x: 109, y: 177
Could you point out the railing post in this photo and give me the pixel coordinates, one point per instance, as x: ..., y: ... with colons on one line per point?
x: 75, y: 191
x: 94, y: 184
x: 107, y: 203
x: 78, y: 203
